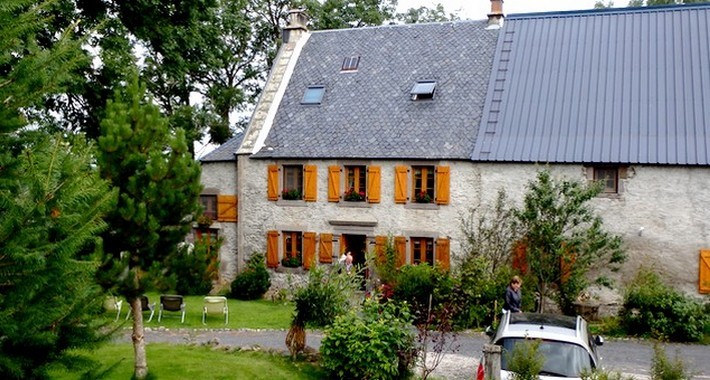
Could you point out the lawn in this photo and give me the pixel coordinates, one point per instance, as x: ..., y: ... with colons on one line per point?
x: 260, y: 314
x: 166, y: 362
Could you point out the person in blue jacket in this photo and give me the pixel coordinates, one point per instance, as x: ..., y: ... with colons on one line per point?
x: 513, y: 296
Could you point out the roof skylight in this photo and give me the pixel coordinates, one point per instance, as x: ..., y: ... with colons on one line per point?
x: 313, y: 95
x: 423, y: 90
x: 351, y: 63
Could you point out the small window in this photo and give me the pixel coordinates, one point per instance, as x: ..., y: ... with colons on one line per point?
x: 609, y: 177
x: 355, y: 185
x: 422, y: 250
x: 423, y: 90
x: 292, y: 182
x: 351, y: 63
x: 424, y: 184
x: 209, y: 205
x: 293, y: 244
x: 313, y: 95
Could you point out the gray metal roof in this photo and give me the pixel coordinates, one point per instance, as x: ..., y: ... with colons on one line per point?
x: 226, y: 151
x: 369, y: 113
x: 614, y: 86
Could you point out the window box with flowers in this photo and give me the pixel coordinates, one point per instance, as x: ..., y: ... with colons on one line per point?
x: 291, y: 195
x: 422, y: 197
x: 292, y: 261
x: 353, y: 195
x: 204, y: 220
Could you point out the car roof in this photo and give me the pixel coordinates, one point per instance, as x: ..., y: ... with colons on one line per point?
x: 543, y: 326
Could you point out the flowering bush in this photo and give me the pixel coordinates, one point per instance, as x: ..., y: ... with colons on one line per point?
x: 353, y: 195
x: 422, y: 197
x: 290, y: 195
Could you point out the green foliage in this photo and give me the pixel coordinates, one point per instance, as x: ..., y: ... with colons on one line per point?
x: 483, y: 290
x: 485, y: 270
x: 525, y: 362
x: 385, y: 266
x: 601, y: 374
x: 376, y: 344
x: 651, y: 307
x: 415, y: 283
x: 253, y: 281
x: 559, y: 225
x: 195, y: 268
x: 51, y: 202
x: 424, y: 14
x: 51, y: 208
x: 327, y: 295
x: 663, y: 368
x: 158, y: 185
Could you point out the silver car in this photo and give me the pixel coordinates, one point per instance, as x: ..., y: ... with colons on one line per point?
x: 565, y: 343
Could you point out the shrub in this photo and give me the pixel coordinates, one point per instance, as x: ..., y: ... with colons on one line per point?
x: 253, y: 282
x: 525, y: 362
x: 662, y: 368
x: 377, y: 344
x: 326, y: 296
x: 415, y: 283
x: 655, y: 309
x: 483, y: 290
x: 601, y: 374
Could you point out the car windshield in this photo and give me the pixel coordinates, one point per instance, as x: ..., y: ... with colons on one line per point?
x: 562, y: 359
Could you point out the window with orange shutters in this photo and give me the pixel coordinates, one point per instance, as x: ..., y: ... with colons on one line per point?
x: 422, y: 249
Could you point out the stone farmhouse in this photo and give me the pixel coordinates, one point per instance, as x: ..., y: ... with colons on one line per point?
x: 398, y: 130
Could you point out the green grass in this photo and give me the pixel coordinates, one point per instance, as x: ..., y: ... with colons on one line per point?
x: 260, y: 314
x: 166, y: 362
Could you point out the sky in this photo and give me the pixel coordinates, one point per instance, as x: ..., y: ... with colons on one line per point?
x: 479, y: 9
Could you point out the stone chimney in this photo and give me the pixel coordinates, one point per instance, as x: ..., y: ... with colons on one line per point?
x: 496, y: 16
x: 297, y: 25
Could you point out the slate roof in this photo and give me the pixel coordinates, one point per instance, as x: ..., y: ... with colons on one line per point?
x: 226, y: 151
x: 369, y: 113
x: 613, y: 86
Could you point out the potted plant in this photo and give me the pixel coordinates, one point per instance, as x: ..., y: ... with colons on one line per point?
x: 353, y: 195
x: 292, y: 261
x: 204, y: 220
x: 290, y: 195
x: 422, y: 197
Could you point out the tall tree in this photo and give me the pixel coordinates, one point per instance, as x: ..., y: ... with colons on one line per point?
x: 424, y: 14
x: 158, y: 186
x: 51, y: 202
x: 564, y: 237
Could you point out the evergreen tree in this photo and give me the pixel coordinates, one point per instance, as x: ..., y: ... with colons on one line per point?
x: 158, y: 187
x: 51, y: 201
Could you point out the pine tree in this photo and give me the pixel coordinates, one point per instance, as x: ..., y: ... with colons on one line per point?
x: 158, y: 187
x: 51, y: 201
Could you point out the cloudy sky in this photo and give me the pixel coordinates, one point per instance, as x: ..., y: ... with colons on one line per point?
x: 478, y: 9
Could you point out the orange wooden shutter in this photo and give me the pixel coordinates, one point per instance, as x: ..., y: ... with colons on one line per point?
x: 325, y: 248
x: 400, y: 246
x: 400, y: 184
x: 704, y: 281
x: 520, y: 263
x: 566, y: 263
x: 272, y: 249
x: 310, y: 177
x: 373, y: 184
x: 443, y: 259
x: 333, y: 183
x: 273, y: 183
x: 380, y: 245
x: 309, y: 249
x: 442, y: 185
x: 227, y: 208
